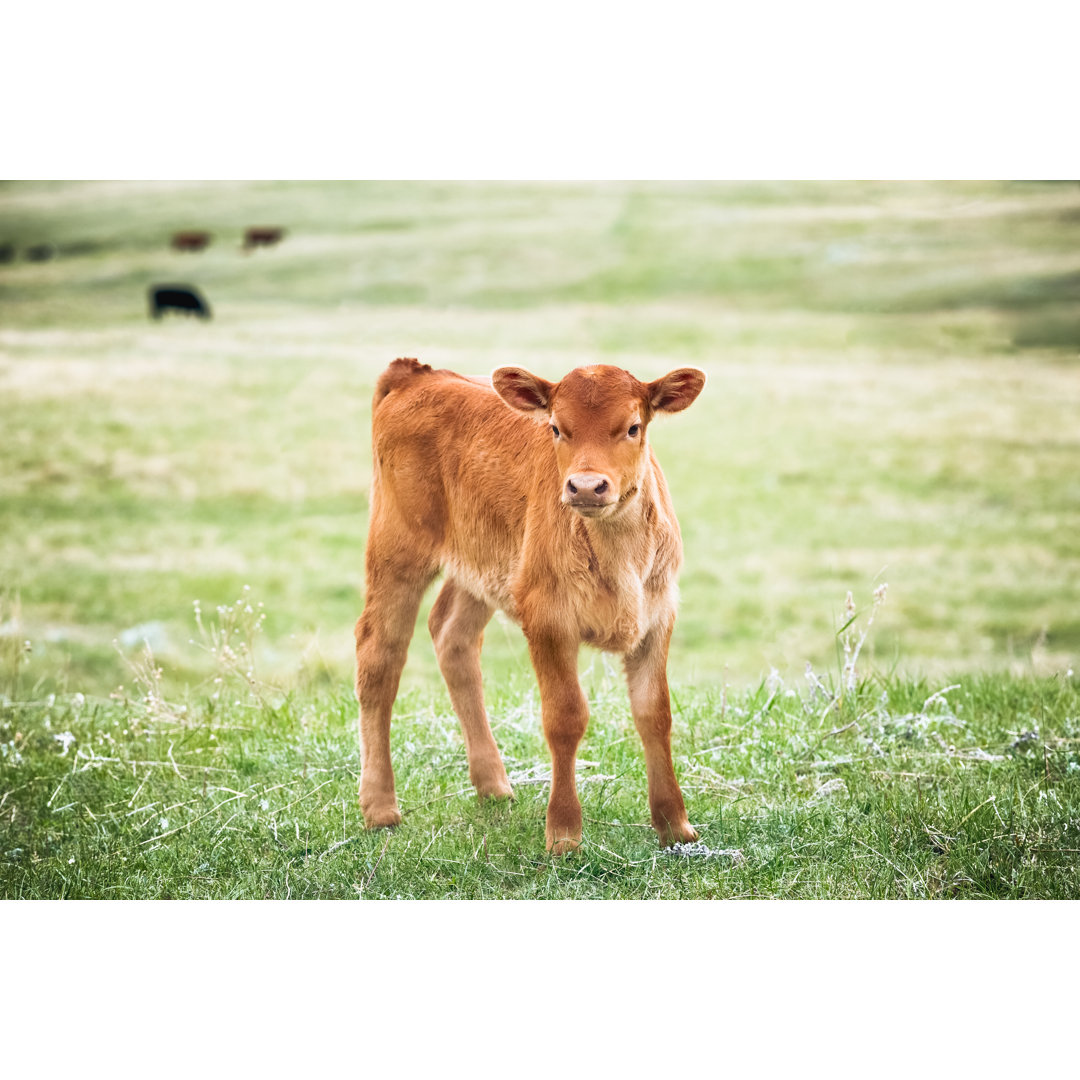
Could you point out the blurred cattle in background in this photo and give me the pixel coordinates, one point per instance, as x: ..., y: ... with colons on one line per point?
x: 262, y: 236
x: 40, y: 252
x: 191, y: 240
x: 7, y: 253
x: 183, y: 298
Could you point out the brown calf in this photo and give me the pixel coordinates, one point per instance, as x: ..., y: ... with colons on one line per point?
x: 262, y: 236
x: 553, y: 510
x: 190, y: 241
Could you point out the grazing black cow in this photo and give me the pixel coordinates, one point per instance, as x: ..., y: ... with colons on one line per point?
x: 7, y: 253
x: 262, y: 236
x: 40, y: 252
x: 178, y: 297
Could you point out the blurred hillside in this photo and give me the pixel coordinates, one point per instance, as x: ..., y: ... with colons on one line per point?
x: 892, y: 397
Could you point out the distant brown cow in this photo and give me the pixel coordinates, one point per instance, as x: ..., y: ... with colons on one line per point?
x: 262, y: 236
x: 553, y: 510
x: 191, y: 241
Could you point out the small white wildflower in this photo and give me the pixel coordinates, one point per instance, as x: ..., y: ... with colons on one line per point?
x: 774, y: 682
x: 265, y: 804
x: 70, y: 861
x: 164, y: 823
x: 248, y: 610
x: 78, y: 701
x: 66, y: 738
x: 50, y: 701
x: 247, y: 588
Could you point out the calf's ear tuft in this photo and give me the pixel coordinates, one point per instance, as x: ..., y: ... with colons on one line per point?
x: 676, y: 390
x: 522, y: 390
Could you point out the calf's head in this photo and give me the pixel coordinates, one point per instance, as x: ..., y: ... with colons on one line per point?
x: 598, y: 418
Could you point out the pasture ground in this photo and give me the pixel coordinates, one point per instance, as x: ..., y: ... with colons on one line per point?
x: 888, y: 792
x: 892, y: 397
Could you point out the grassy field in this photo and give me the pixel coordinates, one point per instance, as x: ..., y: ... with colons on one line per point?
x: 892, y: 398
x: 890, y: 792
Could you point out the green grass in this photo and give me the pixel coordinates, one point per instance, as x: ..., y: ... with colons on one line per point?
x: 891, y: 792
x: 892, y: 397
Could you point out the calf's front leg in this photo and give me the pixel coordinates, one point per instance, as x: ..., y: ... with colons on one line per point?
x: 650, y: 704
x: 565, y: 715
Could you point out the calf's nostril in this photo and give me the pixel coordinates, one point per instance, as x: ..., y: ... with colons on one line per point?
x: 601, y: 487
x: 570, y: 487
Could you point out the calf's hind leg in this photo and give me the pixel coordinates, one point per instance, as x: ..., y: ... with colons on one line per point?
x: 457, y: 624
x: 383, y: 631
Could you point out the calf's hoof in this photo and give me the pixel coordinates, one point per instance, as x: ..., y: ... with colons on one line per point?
x: 683, y: 833
x: 381, y: 816
x: 562, y: 843
x: 489, y: 777
x: 501, y: 791
x: 563, y: 846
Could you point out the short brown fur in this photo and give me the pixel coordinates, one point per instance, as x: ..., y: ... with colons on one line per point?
x: 554, y: 510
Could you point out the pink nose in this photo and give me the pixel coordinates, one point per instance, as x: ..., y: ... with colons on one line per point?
x: 588, y: 489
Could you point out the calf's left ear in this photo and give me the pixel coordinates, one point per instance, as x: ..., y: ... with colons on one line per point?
x: 676, y: 390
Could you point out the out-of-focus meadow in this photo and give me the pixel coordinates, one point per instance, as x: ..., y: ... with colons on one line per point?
x: 894, y: 386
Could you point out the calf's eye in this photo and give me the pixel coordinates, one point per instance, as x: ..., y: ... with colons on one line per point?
x: 633, y: 430
x: 554, y: 431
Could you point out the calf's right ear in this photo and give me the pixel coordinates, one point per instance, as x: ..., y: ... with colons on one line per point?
x: 522, y: 390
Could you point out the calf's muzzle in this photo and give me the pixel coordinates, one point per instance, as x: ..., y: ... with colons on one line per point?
x: 588, y: 491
